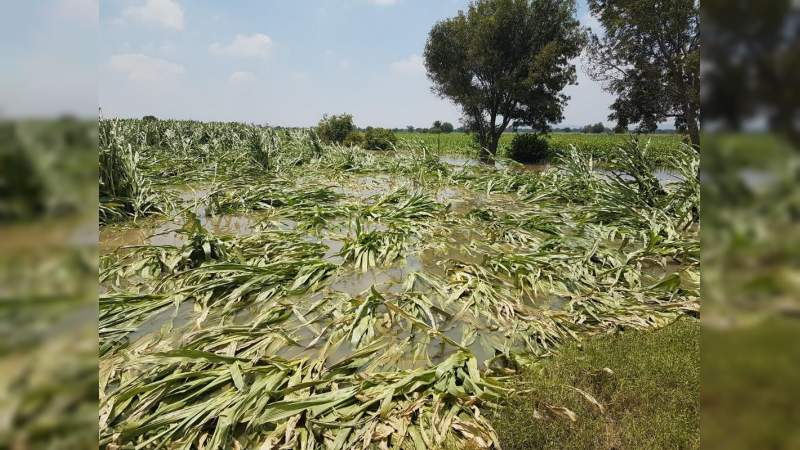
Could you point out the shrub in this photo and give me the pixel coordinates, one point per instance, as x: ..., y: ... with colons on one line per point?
x: 529, y: 148
x: 379, y: 139
x: 335, y: 129
x: 150, y: 119
x: 354, y: 139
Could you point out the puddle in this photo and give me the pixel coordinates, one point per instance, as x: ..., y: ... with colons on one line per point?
x: 230, y: 224
x: 144, y: 232
x: 459, y: 160
x: 463, y: 200
x: 153, y: 231
x: 154, y: 324
x: 665, y: 177
x: 383, y: 279
x: 460, y: 199
x: 466, y: 161
x: 364, y: 187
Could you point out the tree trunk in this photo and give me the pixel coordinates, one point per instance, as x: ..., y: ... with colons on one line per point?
x: 689, y: 110
x: 485, y: 156
x: 693, y: 127
x: 489, y: 151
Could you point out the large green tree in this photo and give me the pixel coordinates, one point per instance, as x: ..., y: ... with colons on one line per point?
x: 648, y: 55
x: 505, y: 61
x: 751, y: 64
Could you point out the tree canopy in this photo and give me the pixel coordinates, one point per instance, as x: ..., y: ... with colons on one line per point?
x: 648, y: 55
x: 442, y: 127
x: 760, y: 80
x: 505, y: 61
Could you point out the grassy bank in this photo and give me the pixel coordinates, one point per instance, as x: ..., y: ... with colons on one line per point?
x: 646, y: 385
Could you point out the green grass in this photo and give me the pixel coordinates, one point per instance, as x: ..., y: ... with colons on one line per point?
x: 650, y: 396
x: 598, y: 144
x: 751, y: 386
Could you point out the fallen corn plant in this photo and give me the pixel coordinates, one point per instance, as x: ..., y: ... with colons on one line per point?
x: 379, y: 300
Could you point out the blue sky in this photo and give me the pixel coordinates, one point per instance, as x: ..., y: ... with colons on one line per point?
x: 263, y: 61
x: 49, y: 61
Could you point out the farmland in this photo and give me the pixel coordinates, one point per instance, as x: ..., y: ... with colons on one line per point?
x: 263, y: 289
x: 596, y: 144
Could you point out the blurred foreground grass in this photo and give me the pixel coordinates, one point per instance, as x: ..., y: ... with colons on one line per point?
x: 751, y: 386
x: 48, y: 284
x: 645, y: 384
x: 750, y: 291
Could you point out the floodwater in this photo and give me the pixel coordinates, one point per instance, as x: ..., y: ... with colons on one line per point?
x: 364, y: 187
x: 172, y: 323
x: 663, y: 176
x: 159, y: 231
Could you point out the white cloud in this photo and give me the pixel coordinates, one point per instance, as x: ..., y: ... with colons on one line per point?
x: 167, y: 13
x: 141, y: 67
x: 256, y: 45
x: 242, y: 76
x: 383, y: 2
x: 413, y: 65
x: 344, y: 64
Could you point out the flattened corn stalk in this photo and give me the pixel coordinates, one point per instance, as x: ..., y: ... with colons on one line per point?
x: 277, y: 352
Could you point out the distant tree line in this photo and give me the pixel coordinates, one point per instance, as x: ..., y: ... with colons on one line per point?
x: 437, y: 127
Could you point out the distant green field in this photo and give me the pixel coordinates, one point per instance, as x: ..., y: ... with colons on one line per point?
x: 598, y: 144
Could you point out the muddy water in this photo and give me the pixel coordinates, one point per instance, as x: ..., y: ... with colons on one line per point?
x: 176, y: 318
x: 463, y: 200
x: 466, y: 161
x: 459, y: 160
x: 146, y: 232
x: 164, y: 231
x: 364, y: 187
x: 431, y: 260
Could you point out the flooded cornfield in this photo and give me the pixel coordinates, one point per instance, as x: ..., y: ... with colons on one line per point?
x: 261, y: 289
